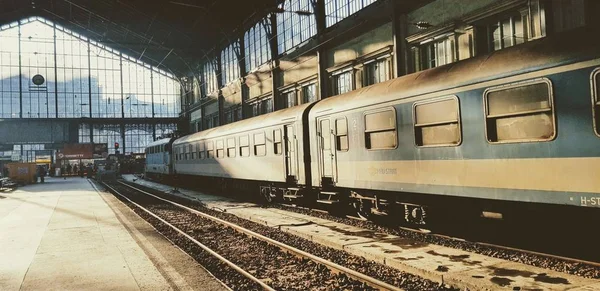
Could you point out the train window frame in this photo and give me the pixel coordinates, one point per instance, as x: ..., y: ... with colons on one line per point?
x: 338, y: 136
x: 524, y: 83
x: 595, y: 100
x: 231, y: 150
x: 201, y: 150
x: 416, y: 126
x: 193, y: 151
x: 277, y: 145
x: 366, y: 132
x: 244, y: 141
x: 210, y: 149
x: 220, y: 146
x: 255, y: 148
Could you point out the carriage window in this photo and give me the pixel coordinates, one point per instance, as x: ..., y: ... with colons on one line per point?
x: 596, y: 100
x: 201, y: 150
x: 520, y: 113
x: 193, y: 150
x: 210, y: 150
x: 231, y: 147
x: 277, y: 142
x: 437, y: 122
x: 244, y: 146
x: 341, y: 134
x: 260, y: 144
x: 380, y: 130
x: 220, y: 149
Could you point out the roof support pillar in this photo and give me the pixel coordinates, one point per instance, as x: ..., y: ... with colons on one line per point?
x: 220, y: 98
x: 399, y: 26
x: 243, y: 72
x: 323, y: 77
x: 275, y: 70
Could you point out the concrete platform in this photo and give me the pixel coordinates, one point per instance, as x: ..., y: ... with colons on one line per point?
x: 438, y: 263
x: 64, y: 235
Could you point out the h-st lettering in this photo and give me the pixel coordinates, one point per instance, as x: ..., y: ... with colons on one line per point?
x: 584, y: 201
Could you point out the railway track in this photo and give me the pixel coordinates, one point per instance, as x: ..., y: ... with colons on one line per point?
x: 570, y: 265
x: 245, y: 260
x: 583, y: 267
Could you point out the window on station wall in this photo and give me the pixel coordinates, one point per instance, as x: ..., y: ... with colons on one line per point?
x: 261, y: 106
x: 230, y: 69
x: 88, y: 76
x: 105, y: 77
x: 288, y: 99
x: 209, y: 77
x: 266, y: 106
x: 164, y: 130
x: 237, y: 113
x: 342, y: 82
x: 256, y: 45
x: 507, y: 32
x: 233, y: 114
x: 309, y: 93
x: 84, y: 133
x: 512, y: 27
x: 9, y: 71
x: 434, y: 53
x: 336, y: 10
x: 292, y: 28
x: 109, y: 134
x: 137, y: 89
x: 377, y: 71
x: 228, y: 114
x: 37, y: 58
x: 137, y: 136
x: 72, y: 67
x: 166, y: 92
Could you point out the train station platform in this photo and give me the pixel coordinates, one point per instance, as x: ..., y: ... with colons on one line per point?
x: 66, y: 235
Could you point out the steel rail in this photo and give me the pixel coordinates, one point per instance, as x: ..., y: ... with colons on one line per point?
x: 443, y: 236
x: 501, y: 247
x: 207, y: 249
x: 333, y: 266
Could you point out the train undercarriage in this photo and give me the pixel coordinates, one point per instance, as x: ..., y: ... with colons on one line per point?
x: 398, y: 207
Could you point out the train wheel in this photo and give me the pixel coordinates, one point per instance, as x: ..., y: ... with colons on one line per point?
x: 363, y: 209
x: 265, y: 193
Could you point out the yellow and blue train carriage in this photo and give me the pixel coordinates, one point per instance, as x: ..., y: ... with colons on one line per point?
x: 520, y: 124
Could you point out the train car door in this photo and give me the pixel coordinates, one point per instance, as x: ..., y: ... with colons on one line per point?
x: 326, y: 151
x: 291, y: 153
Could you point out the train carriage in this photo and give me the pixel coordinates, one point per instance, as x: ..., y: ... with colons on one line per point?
x: 515, y: 125
x: 158, y: 159
x: 266, y: 151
